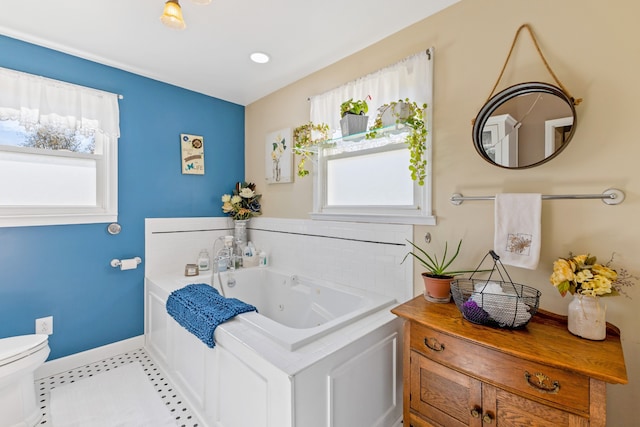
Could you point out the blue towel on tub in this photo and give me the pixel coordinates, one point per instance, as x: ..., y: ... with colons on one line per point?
x: 199, y: 308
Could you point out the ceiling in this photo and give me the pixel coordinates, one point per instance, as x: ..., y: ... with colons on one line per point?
x: 211, y: 55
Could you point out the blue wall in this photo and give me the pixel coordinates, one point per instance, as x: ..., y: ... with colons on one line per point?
x: 64, y: 270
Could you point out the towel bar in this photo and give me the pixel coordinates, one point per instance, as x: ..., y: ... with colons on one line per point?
x: 610, y: 196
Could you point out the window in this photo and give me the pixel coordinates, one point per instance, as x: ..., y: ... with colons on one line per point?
x: 360, y: 179
x: 58, y: 152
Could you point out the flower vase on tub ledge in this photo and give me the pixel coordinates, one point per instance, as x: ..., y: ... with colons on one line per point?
x: 587, y: 281
x: 242, y: 205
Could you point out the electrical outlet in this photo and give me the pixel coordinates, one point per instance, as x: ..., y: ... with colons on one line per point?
x: 44, y: 325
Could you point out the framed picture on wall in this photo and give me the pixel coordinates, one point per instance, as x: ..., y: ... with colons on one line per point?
x: 278, y: 164
x: 192, y: 154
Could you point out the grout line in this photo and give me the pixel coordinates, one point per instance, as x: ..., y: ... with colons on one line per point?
x: 328, y: 237
x: 192, y: 231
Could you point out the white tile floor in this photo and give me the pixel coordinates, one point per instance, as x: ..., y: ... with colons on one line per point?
x: 171, y: 398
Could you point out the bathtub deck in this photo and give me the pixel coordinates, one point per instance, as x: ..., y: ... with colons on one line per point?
x: 171, y: 398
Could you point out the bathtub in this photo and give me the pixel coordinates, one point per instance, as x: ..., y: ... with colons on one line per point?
x: 315, y: 353
x: 294, y: 310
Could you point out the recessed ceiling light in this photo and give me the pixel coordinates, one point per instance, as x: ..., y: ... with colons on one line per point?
x: 260, y: 57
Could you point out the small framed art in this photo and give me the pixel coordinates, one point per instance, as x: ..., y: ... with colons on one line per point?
x: 279, y: 157
x: 192, y: 154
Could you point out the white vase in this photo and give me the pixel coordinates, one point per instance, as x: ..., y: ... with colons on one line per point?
x: 587, y: 317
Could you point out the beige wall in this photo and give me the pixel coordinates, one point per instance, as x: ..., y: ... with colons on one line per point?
x: 592, y: 47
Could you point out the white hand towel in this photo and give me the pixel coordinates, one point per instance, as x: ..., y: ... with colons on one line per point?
x: 517, y: 229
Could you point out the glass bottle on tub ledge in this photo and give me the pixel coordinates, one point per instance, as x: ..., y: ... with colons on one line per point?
x: 239, y: 239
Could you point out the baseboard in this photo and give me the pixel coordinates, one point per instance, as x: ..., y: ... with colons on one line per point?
x: 73, y: 361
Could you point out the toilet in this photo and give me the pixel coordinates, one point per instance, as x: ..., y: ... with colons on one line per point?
x: 19, y: 358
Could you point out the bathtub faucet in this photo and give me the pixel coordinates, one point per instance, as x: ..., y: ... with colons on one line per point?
x: 224, y: 256
x: 221, y: 260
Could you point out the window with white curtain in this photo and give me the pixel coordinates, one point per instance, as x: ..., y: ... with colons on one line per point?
x: 369, y: 180
x: 58, y: 152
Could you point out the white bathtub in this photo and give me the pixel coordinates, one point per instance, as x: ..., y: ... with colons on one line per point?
x: 315, y: 354
x: 293, y: 310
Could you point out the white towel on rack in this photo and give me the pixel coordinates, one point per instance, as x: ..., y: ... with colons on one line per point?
x: 517, y: 229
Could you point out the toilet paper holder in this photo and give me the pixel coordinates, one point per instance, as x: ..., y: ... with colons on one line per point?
x: 119, y: 263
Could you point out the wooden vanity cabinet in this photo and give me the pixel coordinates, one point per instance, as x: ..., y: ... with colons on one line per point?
x: 457, y: 373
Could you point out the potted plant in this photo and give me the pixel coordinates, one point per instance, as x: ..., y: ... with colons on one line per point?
x: 354, y: 107
x: 406, y: 113
x: 305, y: 140
x: 353, y: 117
x: 437, y: 277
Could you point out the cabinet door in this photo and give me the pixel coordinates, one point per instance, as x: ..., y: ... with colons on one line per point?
x: 505, y: 409
x: 442, y: 396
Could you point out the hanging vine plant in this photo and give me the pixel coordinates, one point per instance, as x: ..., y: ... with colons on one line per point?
x: 304, y: 143
x: 407, y: 113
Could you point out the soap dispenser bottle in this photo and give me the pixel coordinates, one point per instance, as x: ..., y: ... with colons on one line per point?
x: 262, y: 259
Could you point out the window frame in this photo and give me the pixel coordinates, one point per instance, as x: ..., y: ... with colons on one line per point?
x: 419, y: 213
x: 406, y: 81
x: 36, y: 100
x: 106, y: 208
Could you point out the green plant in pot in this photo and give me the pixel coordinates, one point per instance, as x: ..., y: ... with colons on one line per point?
x: 354, y: 107
x: 406, y: 113
x: 353, y: 118
x: 306, y: 138
x: 437, y: 276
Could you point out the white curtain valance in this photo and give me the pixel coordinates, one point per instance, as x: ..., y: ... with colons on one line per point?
x: 409, y: 78
x: 32, y: 100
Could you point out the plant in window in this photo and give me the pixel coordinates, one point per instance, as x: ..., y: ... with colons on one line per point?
x: 407, y: 113
x: 354, y: 107
x: 304, y: 142
x: 353, y: 117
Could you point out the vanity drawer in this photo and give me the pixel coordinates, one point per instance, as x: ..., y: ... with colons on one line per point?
x: 541, y: 382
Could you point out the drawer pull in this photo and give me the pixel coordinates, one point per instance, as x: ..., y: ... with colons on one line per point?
x: 543, y: 383
x: 487, y: 419
x: 475, y: 412
x: 433, y: 344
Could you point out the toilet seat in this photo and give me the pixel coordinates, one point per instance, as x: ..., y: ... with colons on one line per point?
x: 16, y: 348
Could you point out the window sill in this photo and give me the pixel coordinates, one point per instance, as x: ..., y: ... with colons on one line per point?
x: 35, y: 220
x: 375, y: 218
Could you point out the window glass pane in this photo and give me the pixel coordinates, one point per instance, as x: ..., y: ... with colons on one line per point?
x: 45, y: 136
x: 350, y: 181
x: 46, y: 180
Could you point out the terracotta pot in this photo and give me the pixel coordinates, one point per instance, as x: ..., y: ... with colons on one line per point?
x: 437, y: 288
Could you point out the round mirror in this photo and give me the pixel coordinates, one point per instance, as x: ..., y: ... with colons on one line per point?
x: 525, y: 125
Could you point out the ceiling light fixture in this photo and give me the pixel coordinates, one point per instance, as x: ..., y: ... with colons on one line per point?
x: 259, y: 57
x: 172, y: 15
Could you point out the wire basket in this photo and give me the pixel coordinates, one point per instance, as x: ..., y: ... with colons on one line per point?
x: 498, y: 303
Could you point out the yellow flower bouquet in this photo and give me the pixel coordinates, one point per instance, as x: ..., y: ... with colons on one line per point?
x: 580, y: 274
